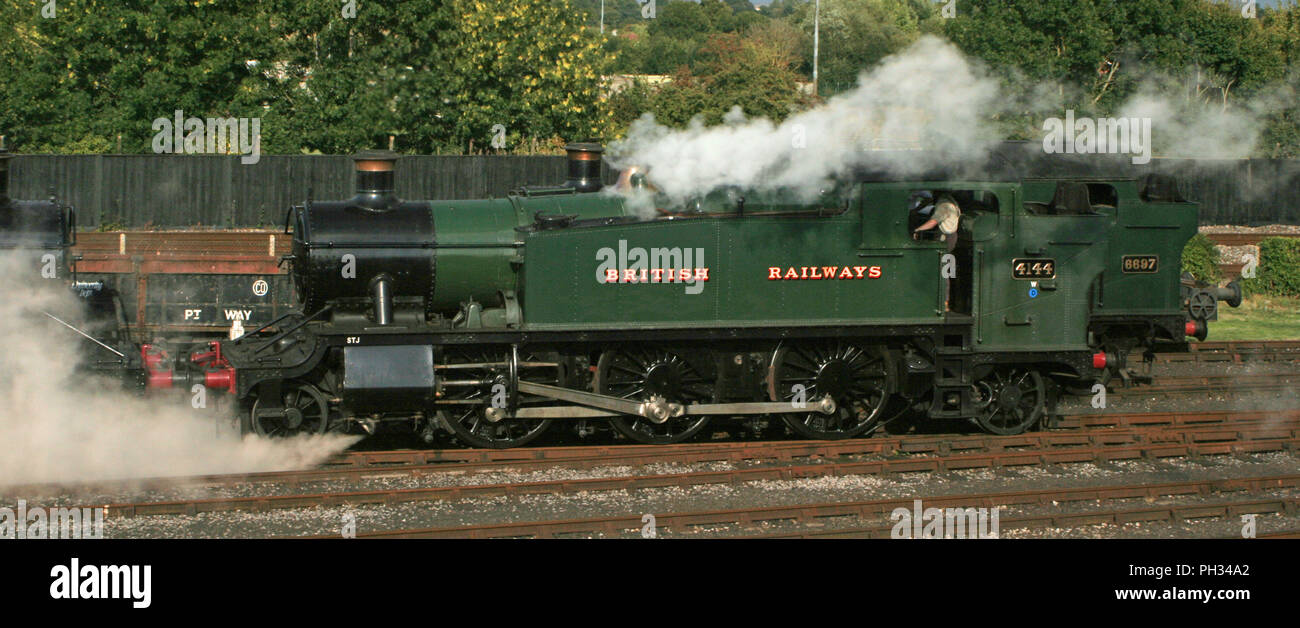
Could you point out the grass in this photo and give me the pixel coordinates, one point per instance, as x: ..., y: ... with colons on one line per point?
x: 1258, y: 318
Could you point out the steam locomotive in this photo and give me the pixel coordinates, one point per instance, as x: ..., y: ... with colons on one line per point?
x: 35, y: 240
x: 494, y: 319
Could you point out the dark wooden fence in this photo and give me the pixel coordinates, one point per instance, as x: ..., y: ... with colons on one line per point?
x: 142, y: 191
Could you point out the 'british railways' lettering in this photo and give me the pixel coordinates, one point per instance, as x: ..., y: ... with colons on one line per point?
x: 824, y: 272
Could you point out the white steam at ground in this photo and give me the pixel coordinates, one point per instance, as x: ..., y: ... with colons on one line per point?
x: 925, y: 108
x: 56, y: 425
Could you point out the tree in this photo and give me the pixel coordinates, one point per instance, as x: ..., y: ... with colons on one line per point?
x: 741, y: 6
x: 754, y: 73
x: 681, y: 20
x: 437, y: 74
x: 529, y: 65
x: 100, y: 69
x: 1103, y: 45
x: 1061, y: 41
x: 339, y: 84
x: 618, y: 13
x: 857, y: 34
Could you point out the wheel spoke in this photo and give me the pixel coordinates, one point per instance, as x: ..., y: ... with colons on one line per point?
x: 1003, y: 416
x: 470, y: 424
x: 648, y: 373
x: 858, y: 376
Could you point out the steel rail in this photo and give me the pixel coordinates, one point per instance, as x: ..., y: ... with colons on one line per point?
x: 862, y: 509
x: 995, y: 460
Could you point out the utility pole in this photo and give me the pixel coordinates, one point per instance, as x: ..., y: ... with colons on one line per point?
x: 817, y: 16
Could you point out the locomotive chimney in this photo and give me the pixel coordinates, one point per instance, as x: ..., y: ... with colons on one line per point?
x: 584, y: 166
x: 375, y: 178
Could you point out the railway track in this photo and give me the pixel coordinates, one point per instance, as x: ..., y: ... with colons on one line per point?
x: 1149, y: 514
x: 1286, y: 534
x: 1214, y: 383
x: 1079, y: 430
x: 644, y: 454
x: 1235, y: 352
x: 1154, y: 444
x: 684, y: 522
x: 1072, y: 431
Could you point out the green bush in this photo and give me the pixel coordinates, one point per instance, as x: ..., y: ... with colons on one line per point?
x: 1201, y: 259
x: 1278, y: 273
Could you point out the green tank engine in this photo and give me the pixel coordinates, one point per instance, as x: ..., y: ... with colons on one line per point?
x: 829, y: 316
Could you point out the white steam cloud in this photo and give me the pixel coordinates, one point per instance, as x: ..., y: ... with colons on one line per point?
x: 57, y: 425
x: 927, y: 96
x: 1193, y: 130
x: 928, y: 107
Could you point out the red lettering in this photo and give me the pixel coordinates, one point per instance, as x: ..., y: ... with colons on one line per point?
x: 658, y: 274
x: 701, y: 274
x: 611, y: 275
x: 791, y: 274
x: 773, y: 272
x: 629, y: 276
x: 859, y: 270
x: 874, y: 273
x: 829, y: 271
x: 846, y: 273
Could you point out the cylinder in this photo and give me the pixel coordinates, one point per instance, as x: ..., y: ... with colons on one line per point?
x: 584, y: 166
x: 375, y: 186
